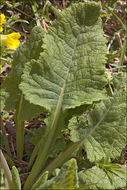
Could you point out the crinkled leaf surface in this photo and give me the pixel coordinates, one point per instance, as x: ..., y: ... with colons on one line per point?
x: 110, y: 135
x: 70, y: 71
x: 66, y: 179
x: 102, y: 179
x: 10, y: 93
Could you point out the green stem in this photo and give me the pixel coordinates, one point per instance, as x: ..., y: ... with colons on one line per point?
x: 5, y: 138
x: 123, y: 52
x: 42, y: 157
x: 19, y: 131
x: 19, y: 138
x: 43, y: 153
x: 34, y: 154
x: 6, y: 170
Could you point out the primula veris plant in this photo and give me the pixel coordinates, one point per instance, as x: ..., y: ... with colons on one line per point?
x: 62, y: 72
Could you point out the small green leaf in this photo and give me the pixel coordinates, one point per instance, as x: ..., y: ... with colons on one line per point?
x: 16, y: 178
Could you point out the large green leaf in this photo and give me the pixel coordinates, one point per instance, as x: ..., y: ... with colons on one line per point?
x: 66, y: 179
x: 67, y: 73
x: 110, y: 135
x: 103, y: 179
x: 10, y: 93
x: 70, y: 71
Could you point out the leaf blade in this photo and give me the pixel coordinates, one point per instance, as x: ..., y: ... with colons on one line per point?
x: 66, y: 66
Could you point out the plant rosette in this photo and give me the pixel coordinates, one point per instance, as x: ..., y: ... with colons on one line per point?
x: 62, y: 72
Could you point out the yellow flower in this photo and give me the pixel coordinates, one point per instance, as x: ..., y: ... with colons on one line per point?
x: 10, y: 40
x: 1, y: 29
x: 2, y: 19
x: 0, y: 67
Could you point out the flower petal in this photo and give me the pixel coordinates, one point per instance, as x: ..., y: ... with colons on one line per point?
x: 13, y: 40
x: 1, y: 29
x: 2, y: 19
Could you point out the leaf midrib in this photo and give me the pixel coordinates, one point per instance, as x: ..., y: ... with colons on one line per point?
x: 58, y: 106
x: 39, y: 163
x: 60, y: 100
x: 58, y: 110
